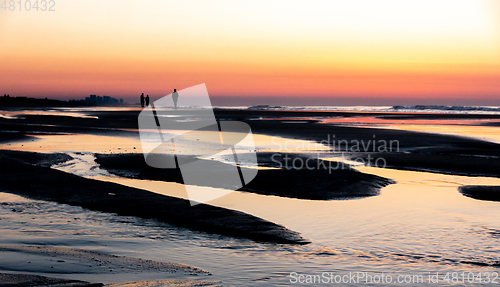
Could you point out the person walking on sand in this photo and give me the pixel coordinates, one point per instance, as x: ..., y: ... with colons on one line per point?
x: 175, y: 97
x: 142, y: 100
x: 147, y: 100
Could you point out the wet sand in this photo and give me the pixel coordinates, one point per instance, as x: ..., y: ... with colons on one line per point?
x: 63, y: 260
x: 70, y: 260
x: 164, y: 283
x: 445, y: 161
x: 415, y: 150
x: 26, y: 178
x: 412, y: 150
x: 290, y: 124
x: 326, y: 181
x: 27, y: 280
x: 28, y: 175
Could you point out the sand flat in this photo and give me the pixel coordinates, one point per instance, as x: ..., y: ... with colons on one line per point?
x: 71, y: 260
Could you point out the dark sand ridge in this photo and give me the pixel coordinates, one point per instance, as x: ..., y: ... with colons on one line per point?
x: 452, y: 162
x: 441, y: 152
x: 52, y: 124
x: 491, y: 124
x: 409, y: 141
x: 481, y: 192
x: 6, y: 137
x: 414, y: 150
x: 19, y: 175
x: 318, y: 183
x: 417, y: 150
x: 28, y: 280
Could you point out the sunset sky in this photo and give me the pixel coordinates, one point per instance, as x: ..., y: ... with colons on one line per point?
x: 358, y: 52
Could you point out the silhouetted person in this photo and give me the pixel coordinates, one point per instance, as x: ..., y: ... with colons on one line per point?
x: 175, y: 97
x: 142, y: 100
x: 147, y: 100
x: 5, y: 95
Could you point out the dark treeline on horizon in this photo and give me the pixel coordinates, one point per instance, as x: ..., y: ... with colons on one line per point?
x: 92, y: 100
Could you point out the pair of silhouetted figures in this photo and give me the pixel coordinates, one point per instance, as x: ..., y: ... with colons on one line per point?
x: 144, y: 99
x: 175, y: 97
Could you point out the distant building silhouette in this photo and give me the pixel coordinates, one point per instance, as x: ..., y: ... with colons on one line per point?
x: 94, y: 100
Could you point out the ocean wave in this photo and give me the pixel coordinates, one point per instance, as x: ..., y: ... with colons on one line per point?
x: 448, y: 108
x: 416, y: 108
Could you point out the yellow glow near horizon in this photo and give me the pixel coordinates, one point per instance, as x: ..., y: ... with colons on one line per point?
x: 85, y: 42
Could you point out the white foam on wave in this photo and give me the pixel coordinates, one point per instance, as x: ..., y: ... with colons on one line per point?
x: 409, y: 109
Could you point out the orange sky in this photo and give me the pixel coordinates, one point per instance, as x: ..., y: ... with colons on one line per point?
x: 439, y: 51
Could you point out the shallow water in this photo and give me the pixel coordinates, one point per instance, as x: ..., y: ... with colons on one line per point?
x: 421, y: 224
x: 76, y: 143
x: 473, y: 128
x: 486, y: 133
x: 45, y: 112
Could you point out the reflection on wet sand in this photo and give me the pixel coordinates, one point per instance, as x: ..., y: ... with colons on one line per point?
x: 112, y: 144
x: 474, y: 128
x: 486, y: 133
x: 76, y: 143
x: 59, y: 113
x: 421, y: 205
x: 421, y: 223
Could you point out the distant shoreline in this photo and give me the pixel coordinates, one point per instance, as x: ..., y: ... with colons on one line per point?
x: 25, y: 102
x: 481, y: 110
